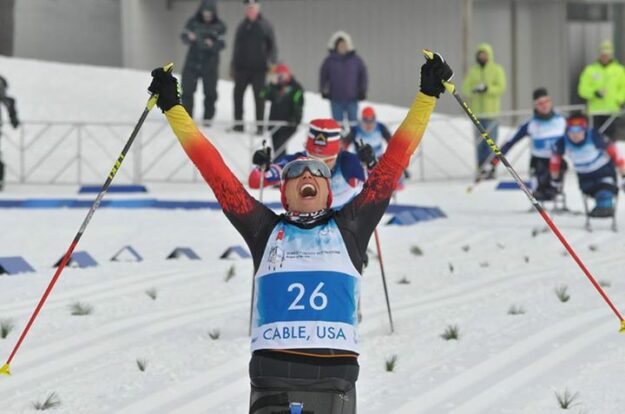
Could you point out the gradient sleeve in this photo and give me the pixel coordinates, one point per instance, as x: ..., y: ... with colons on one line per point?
x: 251, y: 218
x: 368, y: 207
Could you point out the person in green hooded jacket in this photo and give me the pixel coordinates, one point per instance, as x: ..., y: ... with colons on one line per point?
x: 602, y: 85
x: 483, y: 86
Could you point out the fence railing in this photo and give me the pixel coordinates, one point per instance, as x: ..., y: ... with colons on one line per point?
x: 41, y: 152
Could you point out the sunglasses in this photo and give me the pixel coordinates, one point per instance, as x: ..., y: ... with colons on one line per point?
x: 576, y: 128
x: 296, y: 168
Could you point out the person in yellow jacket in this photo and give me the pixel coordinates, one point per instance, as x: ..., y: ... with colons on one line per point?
x: 602, y: 85
x: 483, y: 86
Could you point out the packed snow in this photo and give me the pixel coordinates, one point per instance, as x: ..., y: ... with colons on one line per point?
x: 490, y: 254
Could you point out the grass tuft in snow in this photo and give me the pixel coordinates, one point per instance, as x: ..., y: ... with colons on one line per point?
x: 81, y: 309
x: 527, y: 259
x: 501, y: 245
x: 214, y: 334
x: 232, y: 272
x: 390, y: 363
x: 567, y: 400
x: 152, y: 293
x: 451, y: 267
x: 516, y: 310
x: 451, y: 332
x: 593, y: 248
x: 404, y: 281
x: 142, y: 364
x: 605, y: 283
x: 562, y: 293
x: 52, y: 401
x: 484, y: 264
x: 6, y: 326
x: 466, y: 248
x: 416, y: 250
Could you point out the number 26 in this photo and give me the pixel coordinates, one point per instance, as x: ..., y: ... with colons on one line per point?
x: 315, y: 297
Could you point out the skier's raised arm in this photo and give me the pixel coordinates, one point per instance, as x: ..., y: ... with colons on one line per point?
x: 243, y: 211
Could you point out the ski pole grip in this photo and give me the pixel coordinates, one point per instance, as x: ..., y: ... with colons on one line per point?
x: 429, y: 55
x: 153, y: 98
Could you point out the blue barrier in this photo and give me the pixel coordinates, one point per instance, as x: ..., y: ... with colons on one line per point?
x: 183, y: 252
x: 12, y: 265
x: 238, y: 250
x: 512, y: 185
x: 404, y: 214
x: 125, y: 251
x: 79, y: 259
x: 116, y: 188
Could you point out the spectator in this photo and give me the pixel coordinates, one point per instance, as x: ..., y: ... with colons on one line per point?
x: 254, y: 52
x: 483, y: 85
x: 287, y: 105
x: 204, y: 34
x: 602, y: 85
x: 343, y: 78
x: 9, y: 103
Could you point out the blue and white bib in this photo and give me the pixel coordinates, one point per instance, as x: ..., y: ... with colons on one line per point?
x: 587, y: 157
x: 306, y: 291
x: 544, y: 133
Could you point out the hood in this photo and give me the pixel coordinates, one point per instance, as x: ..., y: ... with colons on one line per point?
x: 210, y: 5
x: 341, y: 35
x: 485, y: 47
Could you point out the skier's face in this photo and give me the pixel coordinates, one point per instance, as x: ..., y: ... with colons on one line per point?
x: 306, y: 193
x: 543, y: 105
x: 207, y: 15
x: 576, y: 134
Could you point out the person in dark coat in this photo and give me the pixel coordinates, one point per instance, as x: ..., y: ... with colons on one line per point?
x: 254, y: 52
x: 287, y: 105
x: 9, y: 103
x: 204, y: 34
x: 343, y: 78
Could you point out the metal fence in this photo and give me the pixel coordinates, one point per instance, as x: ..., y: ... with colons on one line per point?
x: 83, y: 152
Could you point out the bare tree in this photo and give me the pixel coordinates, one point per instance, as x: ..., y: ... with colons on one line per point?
x: 7, y: 23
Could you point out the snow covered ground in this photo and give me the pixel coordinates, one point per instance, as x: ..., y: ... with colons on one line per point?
x: 488, y: 255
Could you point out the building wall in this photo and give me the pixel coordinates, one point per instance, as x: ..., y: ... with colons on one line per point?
x: 88, y: 31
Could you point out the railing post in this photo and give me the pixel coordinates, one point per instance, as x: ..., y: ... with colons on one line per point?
x: 22, y: 154
x: 79, y: 152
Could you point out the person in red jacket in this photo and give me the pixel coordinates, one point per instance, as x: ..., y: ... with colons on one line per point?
x: 308, y: 260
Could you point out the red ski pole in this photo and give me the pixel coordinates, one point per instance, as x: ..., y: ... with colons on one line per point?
x: 5, y: 369
x: 450, y: 87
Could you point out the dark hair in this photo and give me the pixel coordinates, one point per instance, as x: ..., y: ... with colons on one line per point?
x: 539, y: 93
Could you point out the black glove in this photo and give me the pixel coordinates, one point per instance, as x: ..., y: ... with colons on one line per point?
x: 362, y: 95
x: 325, y: 95
x: 599, y: 94
x: 262, y: 158
x: 366, y: 155
x: 433, y: 73
x: 481, y: 88
x: 167, y: 87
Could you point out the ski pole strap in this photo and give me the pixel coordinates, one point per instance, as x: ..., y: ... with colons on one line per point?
x: 154, y: 97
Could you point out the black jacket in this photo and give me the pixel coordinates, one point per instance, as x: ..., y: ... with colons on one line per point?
x: 287, y: 101
x: 214, y: 30
x: 254, y: 45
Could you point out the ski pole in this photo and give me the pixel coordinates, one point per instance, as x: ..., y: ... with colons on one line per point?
x: 5, y: 370
x: 450, y: 87
x: 260, y: 198
x: 379, y: 251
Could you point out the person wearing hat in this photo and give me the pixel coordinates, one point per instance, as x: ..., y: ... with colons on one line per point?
x: 255, y: 51
x: 544, y: 128
x: 602, y: 85
x: 323, y: 143
x: 204, y: 34
x: 368, y: 131
x: 483, y: 85
x: 287, y: 105
x: 308, y: 260
x: 595, y: 160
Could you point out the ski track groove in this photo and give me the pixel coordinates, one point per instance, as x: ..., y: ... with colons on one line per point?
x: 472, y: 376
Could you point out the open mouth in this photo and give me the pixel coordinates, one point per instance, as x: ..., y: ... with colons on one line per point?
x: 308, y: 191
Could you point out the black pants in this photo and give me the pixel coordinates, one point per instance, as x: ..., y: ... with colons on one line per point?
x: 322, y: 385
x: 242, y: 79
x: 206, y: 70
x: 602, y: 179
x: 279, y: 139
